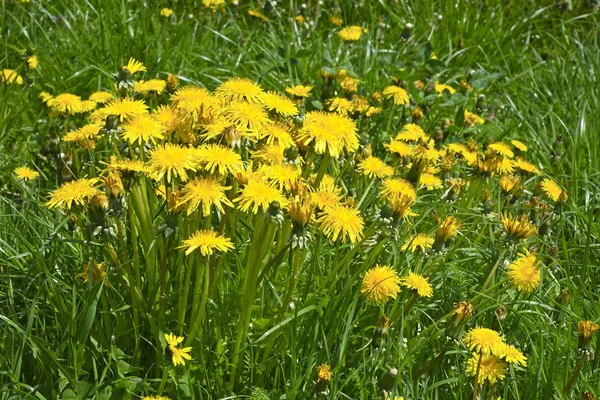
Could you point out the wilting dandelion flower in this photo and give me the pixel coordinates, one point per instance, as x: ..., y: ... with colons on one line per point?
x: 208, y: 242
x: 485, y: 341
x: 517, y: 228
x: 524, y: 272
x: 417, y: 283
x: 341, y: 221
x: 330, y: 132
x: 259, y: 194
x: 172, y: 160
x: 375, y: 167
x: 380, y: 284
x: 418, y: 242
x: 299, y: 90
x: 399, y: 95
x: 350, y: 33
x: 206, y: 192
x: 508, y: 183
x: 223, y: 160
x: 79, y: 192
x: 323, y: 373
x: 143, y: 129
x: 26, y: 173
x: 487, y: 367
x: 177, y: 354
x: 551, y: 189
x: 98, y: 274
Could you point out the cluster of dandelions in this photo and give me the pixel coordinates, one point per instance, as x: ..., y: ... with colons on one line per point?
x: 244, y: 152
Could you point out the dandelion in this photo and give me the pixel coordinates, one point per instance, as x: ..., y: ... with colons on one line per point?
x: 125, y: 108
x: 400, y: 148
x: 485, y: 341
x: 586, y: 330
x: 167, y: 117
x: 336, y: 21
x: 206, y: 192
x: 194, y: 101
x: 98, y: 274
x: 26, y: 173
x: 166, y: 12
x: 522, y: 147
x: 78, y: 192
x: 249, y: 118
x: 258, y: 14
x: 323, y: 373
x: 177, y: 354
x: 399, y: 95
x: 101, y: 97
x: 472, y: 119
x: 258, y: 194
x: 66, y: 103
x: 380, y: 284
x: 525, y: 166
x: 172, y: 160
x: 221, y: 159
x: 329, y: 132
x: 157, y: 86
x: 551, y: 189
x: 440, y: 87
x: 11, y: 76
x: 508, y: 183
x: 418, y: 284
x: 143, y: 129
x: 208, y: 242
x: 448, y: 228
x: 299, y: 91
x: 341, y: 221
x: 134, y: 66
x: 488, y: 367
x: 411, y: 132
x: 418, y: 242
x: 282, y: 175
x: 350, y: 33
x: 463, y: 311
x: 524, y: 272
x: 502, y: 149
x: 281, y: 105
x: 240, y: 89
x: 33, y: 62
x: 375, y: 167
x: 514, y: 356
x: 430, y: 181
x: 517, y: 228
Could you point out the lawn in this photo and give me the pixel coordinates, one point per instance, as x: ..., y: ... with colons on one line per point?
x: 283, y: 200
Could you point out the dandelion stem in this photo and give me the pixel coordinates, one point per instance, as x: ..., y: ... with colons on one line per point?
x: 573, y: 377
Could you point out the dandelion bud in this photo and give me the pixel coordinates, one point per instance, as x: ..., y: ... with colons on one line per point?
x: 407, y: 31
x: 274, y: 213
x: 463, y: 311
x: 417, y: 114
x: 381, y: 328
x: 387, y: 381
x: 481, y: 103
x: 586, y: 331
x: 553, y: 251
x: 323, y: 378
x: 172, y: 82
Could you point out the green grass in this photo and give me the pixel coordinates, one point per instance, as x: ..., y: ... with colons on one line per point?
x: 536, y: 63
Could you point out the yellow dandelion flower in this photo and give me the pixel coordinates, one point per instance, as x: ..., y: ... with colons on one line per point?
x: 375, y: 167
x: 79, y: 192
x: 418, y: 242
x: 350, y: 33
x: 223, y: 160
x: 281, y: 105
x: 26, y: 173
x: 166, y: 12
x: 519, y: 145
x: 277, y: 133
x: 172, y: 160
x: 349, y: 84
x: 45, y: 96
x: 214, y: 4
x: 206, y: 192
x: 399, y: 95
x: 472, y: 119
x: 341, y: 221
x: 282, y: 176
x: 586, y: 329
x: 330, y: 132
x: 517, y: 228
x: 194, y: 100
x: 525, y: 166
x: 143, y: 129
x: 176, y: 354
x: 126, y: 167
x: 448, y: 228
x: 259, y: 194
x: 401, y: 148
x: 248, y: 118
x: 508, y: 183
x: 157, y: 86
x: 101, y: 97
x: 134, y: 66
x: 125, y: 108
x: 323, y: 373
x: 484, y: 341
x: 98, y: 274
x: 166, y: 116
x: 66, y: 103
x: 418, y: 283
x: 11, y: 76
x: 33, y: 62
x: 299, y: 90
x: 411, y: 132
x: 380, y: 284
x: 272, y: 154
x: 208, y: 242
x: 340, y: 105
x: 430, y: 181
x: 487, y: 367
x: 440, y: 87
x: 551, y: 189
x: 502, y: 149
x: 240, y: 89
x: 336, y: 21
x: 401, y: 194
x: 524, y: 272
x: 325, y: 197
x: 514, y: 356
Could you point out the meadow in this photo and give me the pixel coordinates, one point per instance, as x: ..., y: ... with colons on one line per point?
x: 296, y: 200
